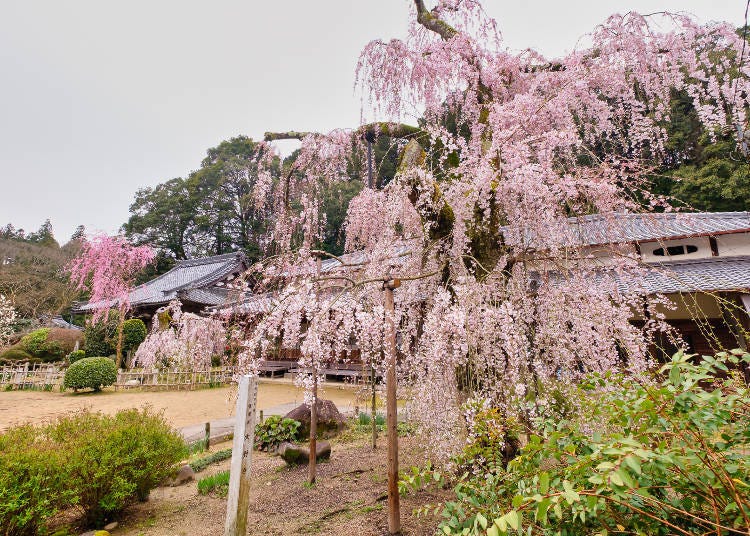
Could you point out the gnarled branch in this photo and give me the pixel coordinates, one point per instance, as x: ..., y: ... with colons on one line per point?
x: 290, y: 135
x: 432, y: 22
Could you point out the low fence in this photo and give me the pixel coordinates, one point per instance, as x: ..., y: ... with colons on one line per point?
x: 43, y: 376
x: 156, y: 380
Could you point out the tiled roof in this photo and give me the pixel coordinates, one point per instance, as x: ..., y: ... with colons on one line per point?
x: 191, y: 279
x: 699, y: 275
x: 621, y: 227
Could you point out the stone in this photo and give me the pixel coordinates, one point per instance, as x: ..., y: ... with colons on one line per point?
x: 300, y: 454
x: 133, y: 382
x: 330, y: 420
x: 96, y: 533
x: 184, y: 474
x: 111, y: 526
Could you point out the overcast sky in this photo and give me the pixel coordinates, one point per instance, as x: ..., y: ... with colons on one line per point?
x: 99, y: 98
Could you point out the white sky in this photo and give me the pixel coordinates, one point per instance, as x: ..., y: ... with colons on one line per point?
x: 99, y: 98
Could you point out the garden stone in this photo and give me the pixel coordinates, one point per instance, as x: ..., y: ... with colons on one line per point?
x: 96, y: 533
x: 133, y: 382
x: 330, y: 421
x: 300, y: 454
x: 111, y: 526
x: 185, y: 474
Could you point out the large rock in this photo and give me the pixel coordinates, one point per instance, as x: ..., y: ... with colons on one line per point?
x: 300, y: 454
x: 330, y: 421
x: 185, y: 474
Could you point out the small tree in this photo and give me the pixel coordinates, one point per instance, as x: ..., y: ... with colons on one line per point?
x: 107, y: 266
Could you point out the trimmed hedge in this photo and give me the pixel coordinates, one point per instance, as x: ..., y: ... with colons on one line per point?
x: 90, y: 373
x: 76, y: 355
x: 97, y: 464
x: 133, y: 334
x: 16, y: 353
x: 50, y: 344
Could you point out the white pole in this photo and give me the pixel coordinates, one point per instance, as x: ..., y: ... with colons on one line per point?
x: 238, y: 499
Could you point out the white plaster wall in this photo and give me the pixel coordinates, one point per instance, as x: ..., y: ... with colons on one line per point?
x: 704, y: 249
x: 731, y: 245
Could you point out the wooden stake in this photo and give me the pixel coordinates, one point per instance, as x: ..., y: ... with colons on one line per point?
x: 208, y: 435
x: 238, y: 499
x: 394, y: 509
x: 313, y: 459
x: 374, y: 409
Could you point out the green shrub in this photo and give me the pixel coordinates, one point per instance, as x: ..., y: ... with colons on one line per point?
x: 15, y: 353
x: 201, y: 463
x: 100, y: 338
x: 275, y: 430
x: 76, y: 355
x: 35, y: 341
x: 218, y: 483
x: 33, y: 484
x: 90, y: 373
x: 113, y: 460
x: 50, y: 344
x: 93, y: 463
x: 668, y: 456
x: 133, y: 334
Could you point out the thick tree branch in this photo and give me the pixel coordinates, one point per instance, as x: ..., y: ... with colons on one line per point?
x: 432, y: 22
x: 290, y: 135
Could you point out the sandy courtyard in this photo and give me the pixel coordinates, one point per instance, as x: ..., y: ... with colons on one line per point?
x: 181, y: 408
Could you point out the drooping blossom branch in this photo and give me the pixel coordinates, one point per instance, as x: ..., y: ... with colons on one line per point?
x: 181, y: 340
x: 106, y: 266
x: 508, y: 148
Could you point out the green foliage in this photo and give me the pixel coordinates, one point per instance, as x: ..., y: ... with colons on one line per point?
x: 218, y: 483
x: 116, y: 459
x: 656, y: 458
x: 100, y: 338
x: 76, y: 355
x: 365, y: 419
x: 90, y: 373
x: 37, y: 344
x: 96, y: 464
x: 133, y: 334
x: 15, y: 353
x: 32, y: 488
x: 201, y: 463
x: 275, y: 430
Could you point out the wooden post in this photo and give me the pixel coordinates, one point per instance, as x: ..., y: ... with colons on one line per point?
x: 238, y: 499
x: 394, y: 509
x: 374, y: 408
x: 208, y: 435
x: 313, y: 459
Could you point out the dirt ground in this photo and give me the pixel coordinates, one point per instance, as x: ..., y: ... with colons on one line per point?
x: 347, y: 499
x: 181, y: 408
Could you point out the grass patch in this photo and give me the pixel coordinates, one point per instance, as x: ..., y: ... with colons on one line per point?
x: 201, y: 463
x: 218, y: 483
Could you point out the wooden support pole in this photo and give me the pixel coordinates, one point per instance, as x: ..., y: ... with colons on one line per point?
x: 374, y: 409
x: 208, y: 435
x: 394, y: 509
x: 313, y: 459
x: 238, y: 499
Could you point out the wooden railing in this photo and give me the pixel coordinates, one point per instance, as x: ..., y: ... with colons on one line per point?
x: 162, y: 379
x: 43, y: 376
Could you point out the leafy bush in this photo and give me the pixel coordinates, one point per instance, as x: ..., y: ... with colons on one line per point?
x: 90, y: 373
x: 100, y: 338
x: 218, y: 456
x: 50, y: 344
x: 218, y: 482
x: 133, y: 334
x: 33, y: 486
x: 667, y: 457
x: 35, y: 341
x: 76, y: 355
x: 275, y: 430
x: 97, y: 464
x: 115, y: 459
x: 15, y: 353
